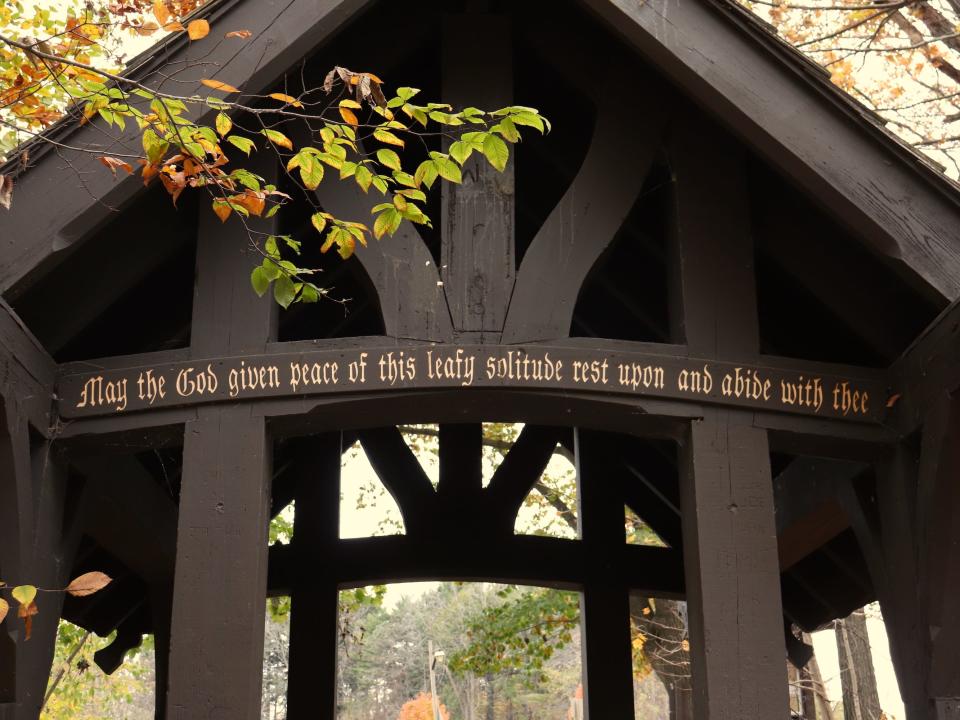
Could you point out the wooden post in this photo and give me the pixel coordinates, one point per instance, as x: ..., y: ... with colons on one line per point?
x: 36, y: 548
x: 604, y: 604
x: 729, y: 536
x: 312, y: 677
x: 477, y: 256
x: 216, y: 644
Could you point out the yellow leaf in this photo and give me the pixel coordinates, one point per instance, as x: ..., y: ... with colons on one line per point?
x: 88, y: 584
x: 350, y: 104
x: 198, y: 29
x: 349, y: 117
x: 278, y: 138
x: 24, y: 594
x: 4, y: 609
x: 224, y: 124
x: 287, y: 99
x: 217, y: 85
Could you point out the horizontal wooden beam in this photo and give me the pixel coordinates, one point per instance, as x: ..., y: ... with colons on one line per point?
x: 526, y: 560
x: 804, y: 389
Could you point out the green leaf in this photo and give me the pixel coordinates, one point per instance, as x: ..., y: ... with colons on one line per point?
x: 413, y: 194
x: 311, y: 171
x: 309, y: 293
x: 507, y: 129
x: 270, y: 269
x: 319, y: 222
x: 24, y: 594
x: 284, y: 291
x: 259, y: 280
x: 270, y: 248
x: 445, y: 118
x: 388, y: 158
x: 242, y: 143
x: 379, y: 183
x: 449, y: 170
x: 460, y: 151
x: 363, y: 177
x: 496, y: 152
x: 155, y: 147
x: 530, y: 120
x: 224, y: 124
x: 385, y: 136
x: 426, y: 173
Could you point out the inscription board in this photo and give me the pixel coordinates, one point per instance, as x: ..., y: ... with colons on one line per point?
x: 325, y: 372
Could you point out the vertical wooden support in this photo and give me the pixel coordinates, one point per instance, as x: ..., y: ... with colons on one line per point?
x: 477, y: 258
x: 35, y: 548
x: 729, y: 536
x: 216, y: 644
x: 605, y: 603
x: 312, y: 677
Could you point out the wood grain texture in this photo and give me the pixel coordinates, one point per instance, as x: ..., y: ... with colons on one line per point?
x: 217, y: 619
x: 729, y: 532
x: 585, y: 222
x: 477, y: 216
x: 886, y: 194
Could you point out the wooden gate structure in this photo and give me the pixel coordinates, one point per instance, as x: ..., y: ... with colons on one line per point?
x: 719, y: 282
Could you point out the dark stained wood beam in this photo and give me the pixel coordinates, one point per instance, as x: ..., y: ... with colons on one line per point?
x: 927, y: 372
x: 216, y: 644
x: 729, y: 535
x: 520, y: 559
x: 583, y: 226
x: 401, y: 473
x: 604, y: 604
x: 28, y: 372
x: 38, y: 541
x: 477, y: 216
x: 130, y: 516
x: 312, y: 678
x: 401, y: 269
x: 520, y: 469
x: 890, y: 197
x: 280, y: 38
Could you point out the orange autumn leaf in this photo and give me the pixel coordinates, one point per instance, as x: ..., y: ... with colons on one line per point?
x: 26, y: 613
x: 198, y: 29
x: 222, y: 209
x: 161, y: 12
x: 290, y: 100
x: 217, y: 85
x: 242, y: 34
x: 348, y: 115
x: 113, y: 163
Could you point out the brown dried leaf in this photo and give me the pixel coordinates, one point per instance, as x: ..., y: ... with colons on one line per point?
x: 198, y: 29
x: 26, y: 612
x: 88, y: 584
x: 892, y: 400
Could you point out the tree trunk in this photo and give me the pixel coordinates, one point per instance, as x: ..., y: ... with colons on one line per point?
x: 860, y: 699
x: 490, y: 698
x: 666, y: 649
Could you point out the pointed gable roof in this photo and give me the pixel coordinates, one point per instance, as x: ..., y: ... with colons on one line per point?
x: 778, y: 103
